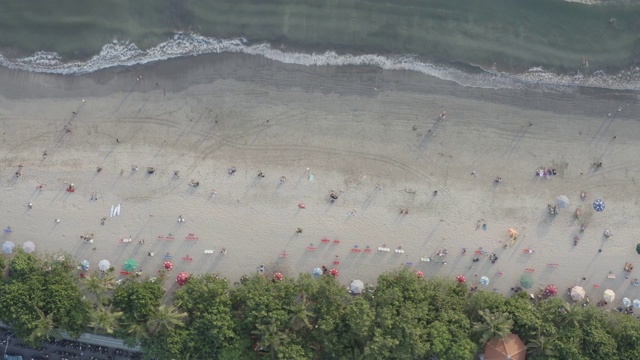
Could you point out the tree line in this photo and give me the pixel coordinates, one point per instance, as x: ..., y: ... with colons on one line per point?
x: 402, y: 317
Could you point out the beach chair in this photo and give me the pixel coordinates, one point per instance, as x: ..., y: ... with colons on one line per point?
x: 170, y: 238
x: 284, y: 254
x: 611, y: 276
x: 167, y: 256
x: 160, y: 237
x: 187, y: 258
x: 126, y: 273
x: 336, y: 242
x: 336, y: 262
x: 311, y: 248
x: 425, y: 259
x: 208, y: 251
x: 367, y: 249
x: 325, y: 241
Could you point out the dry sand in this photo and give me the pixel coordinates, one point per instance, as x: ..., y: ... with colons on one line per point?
x: 371, y: 135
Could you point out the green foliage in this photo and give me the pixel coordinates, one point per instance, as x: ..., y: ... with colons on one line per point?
x: 42, y: 297
x: 402, y: 317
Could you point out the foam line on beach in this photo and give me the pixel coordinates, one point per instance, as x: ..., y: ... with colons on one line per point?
x: 189, y: 44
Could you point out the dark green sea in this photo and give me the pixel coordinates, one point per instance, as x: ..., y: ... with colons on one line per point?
x: 484, y: 43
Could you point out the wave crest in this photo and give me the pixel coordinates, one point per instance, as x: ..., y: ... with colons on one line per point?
x: 185, y: 44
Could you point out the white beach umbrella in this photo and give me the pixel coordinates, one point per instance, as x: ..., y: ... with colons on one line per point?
x: 609, y: 295
x: 562, y: 201
x: 29, y: 247
x: 8, y: 247
x: 626, y: 302
x: 104, y: 265
x: 577, y: 293
x: 356, y: 286
x: 484, y: 280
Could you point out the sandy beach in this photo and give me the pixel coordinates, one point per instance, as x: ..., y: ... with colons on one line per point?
x: 372, y: 136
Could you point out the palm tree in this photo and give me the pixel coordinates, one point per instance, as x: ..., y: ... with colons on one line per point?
x: 43, y: 328
x: 542, y: 347
x: 270, y: 337
x: 493, y: 326
x: 93, y: 285
x: 165, y: 318
x: 570, y: 315
x: 104, y: 319
x: 300, y: 315
x: 136, y: 330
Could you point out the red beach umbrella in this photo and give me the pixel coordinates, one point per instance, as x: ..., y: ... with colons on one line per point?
x: 278, y: 276
x: 168, y: 265
x: 420, y: 274
x: 551, y: 290
x: 182, y: 278
x: 461, y: 279
x: 334, y: 272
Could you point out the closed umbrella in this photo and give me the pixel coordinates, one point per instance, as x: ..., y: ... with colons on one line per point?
x: 484, y: 280
x: 356, y: 286
x: 29, y: 247
x: 626, y: 302
x: 577, y: 293
x: 104, y: 265
x: 636, y: 303
x: 8, y: 247
x: 609, y: 295
x: 562, y: 201
x: 317, y: 272
x: 130, y: 265
x: 526, y: 281
x: 84, y: 265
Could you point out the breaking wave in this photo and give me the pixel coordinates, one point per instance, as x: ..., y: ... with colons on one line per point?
x: 186, y: 44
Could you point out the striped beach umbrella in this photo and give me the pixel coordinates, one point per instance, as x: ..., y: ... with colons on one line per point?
x: 598, y: 205
x: 182, y: 278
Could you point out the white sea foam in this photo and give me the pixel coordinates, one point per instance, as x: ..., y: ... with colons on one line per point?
x: 185, y: 44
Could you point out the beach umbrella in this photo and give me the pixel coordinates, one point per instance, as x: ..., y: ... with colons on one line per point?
x: 8, y: 247
x: 636, y: 303
x: 526, y: 281
x: 577, y: 293
x: 626, y: 302
x: 317, y: 272
x: 598, y: 205
x: 562, y: 201
x: 104, y: 265
x: 278, y: 276
x: 334, y: 272
x: 182, y: 278
x: 356, y: 286
x: 484, y: 280
x: 609, y: 295
x: 510, y: 347
x: 84, y: 265
x: 461, y: 279
x: 29, y: 247
x: 551, y: 290
x: 130, y: 265
x: 167, y: 265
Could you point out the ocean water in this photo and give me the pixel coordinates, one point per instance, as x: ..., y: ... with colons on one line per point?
x: 553, y: 45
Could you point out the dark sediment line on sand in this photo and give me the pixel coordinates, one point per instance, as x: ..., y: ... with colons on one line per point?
x: 176, y: 75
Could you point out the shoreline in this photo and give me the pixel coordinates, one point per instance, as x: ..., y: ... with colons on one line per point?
x: 355, y: 128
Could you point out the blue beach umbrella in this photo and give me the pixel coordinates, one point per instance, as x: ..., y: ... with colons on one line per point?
x: 484, y: 280
x: 626, y: 302
x: 7, y: 247
x: 317, y: 272
x: 636, y: 303
x: 598, y: 205
x: 84, y: 265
